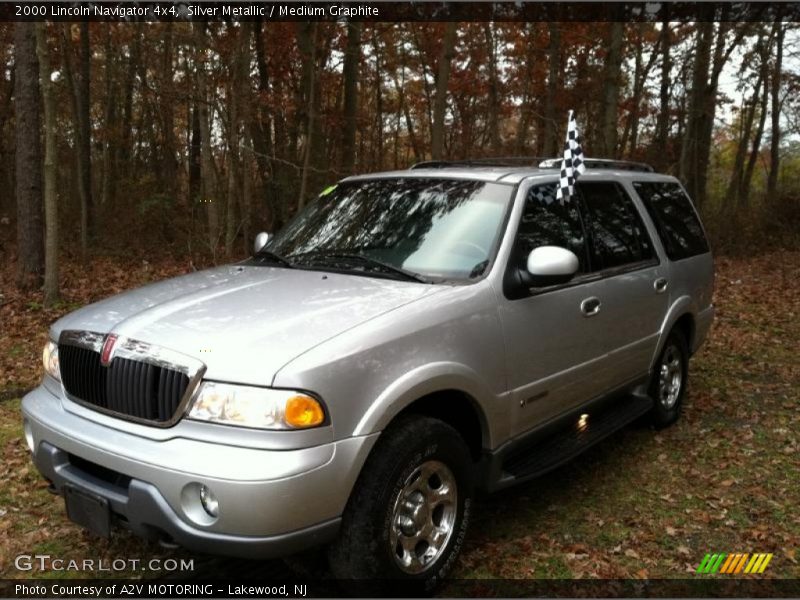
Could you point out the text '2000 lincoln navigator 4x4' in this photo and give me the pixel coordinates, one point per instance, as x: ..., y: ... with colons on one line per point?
x: 409, y: 337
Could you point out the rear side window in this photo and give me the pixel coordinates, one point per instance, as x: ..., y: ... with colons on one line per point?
x: 674, y: 218
x: 548, y: 222
x: 618, y: 235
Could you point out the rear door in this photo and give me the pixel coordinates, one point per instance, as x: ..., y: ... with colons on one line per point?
x: 635, y: 282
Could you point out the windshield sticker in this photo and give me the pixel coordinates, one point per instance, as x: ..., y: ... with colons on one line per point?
x: 327, y: 190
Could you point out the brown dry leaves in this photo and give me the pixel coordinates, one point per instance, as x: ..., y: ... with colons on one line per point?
x: 643, y: 504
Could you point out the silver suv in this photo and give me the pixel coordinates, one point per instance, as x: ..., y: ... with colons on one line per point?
x: 409, y: 338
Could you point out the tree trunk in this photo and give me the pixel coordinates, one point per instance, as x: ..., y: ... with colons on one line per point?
x: 80, y: 106
x: 238, y: 99
x: 124, y: 151
x: 689, y: 168
x: 84, y: 104
x: 261, y: 130
x: 209, y: 179
x: 50, y: 173
x: 110, y: 124
x: 28, y: 158
x: 195, y: 161
x: 493, y: 107
x: 735, y: 189
x: 307, y: 41
x: 775, y: 109
x: 733, y: 195
x: 527, y: 99
x: 550, y: 147
x: 378, y: 133
x: 401, y: 93
x: 611, y: 78
x: 659, y: 153
x: 169, y: 162
x: 744, y: 193
x: 442, y: 80
x: 704, y: 97
x: 352, y: 60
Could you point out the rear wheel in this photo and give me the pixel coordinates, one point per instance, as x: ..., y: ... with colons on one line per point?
x: 668, y: 385
x: 409, y: 511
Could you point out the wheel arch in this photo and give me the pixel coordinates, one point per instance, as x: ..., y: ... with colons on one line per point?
x: 683, y: 315
x: 447, y: 392
x: 457, y: 409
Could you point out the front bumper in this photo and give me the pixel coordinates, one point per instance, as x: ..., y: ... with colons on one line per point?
x: 272, y: 502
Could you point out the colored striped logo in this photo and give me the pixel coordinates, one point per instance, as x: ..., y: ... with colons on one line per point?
x: 734, y: 564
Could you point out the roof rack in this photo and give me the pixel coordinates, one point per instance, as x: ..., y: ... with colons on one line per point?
x: 601, y: 163
x: 535, y: 162
x: 503, y: 161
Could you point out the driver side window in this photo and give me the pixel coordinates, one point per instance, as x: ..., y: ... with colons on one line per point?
x: 548, y: 222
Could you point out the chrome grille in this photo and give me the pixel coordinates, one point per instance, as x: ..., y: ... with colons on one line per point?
x: 134, y: 385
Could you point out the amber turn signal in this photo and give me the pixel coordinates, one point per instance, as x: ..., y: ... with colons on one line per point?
x: 303, y: 411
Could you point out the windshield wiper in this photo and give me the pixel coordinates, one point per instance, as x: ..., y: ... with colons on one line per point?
x: 275, y: 257
x: 374, y: 262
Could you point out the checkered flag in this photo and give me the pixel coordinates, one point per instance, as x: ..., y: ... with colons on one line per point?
x: 572, y: 165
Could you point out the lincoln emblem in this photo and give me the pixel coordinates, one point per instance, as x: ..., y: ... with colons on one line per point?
x: 108, y: 349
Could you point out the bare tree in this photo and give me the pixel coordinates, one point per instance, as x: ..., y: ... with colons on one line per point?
x: 209, y: 174
x: 611, y: 77
x: 775, y: 109
x: 50, y: 172
x: 28, y: 158
x: 442, y: 81
x: 493, y: 105
x: 307, y: 41
x: 352, y: 60
x: 550, y: 147
x: 658, y: 151
x: 79, y: 84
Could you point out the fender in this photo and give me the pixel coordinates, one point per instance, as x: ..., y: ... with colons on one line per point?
x: 431, y: 378
x: 681, y: 306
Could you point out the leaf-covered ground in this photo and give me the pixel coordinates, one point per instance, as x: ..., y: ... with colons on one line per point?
x: 643, y: 504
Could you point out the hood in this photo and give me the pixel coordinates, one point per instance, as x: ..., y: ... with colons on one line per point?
x: 244, y: 322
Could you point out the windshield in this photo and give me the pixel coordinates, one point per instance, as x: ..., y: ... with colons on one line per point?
x: 438, y: 228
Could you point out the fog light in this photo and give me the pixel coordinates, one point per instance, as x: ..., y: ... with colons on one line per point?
x: 26, y: 428
x: 209, y: 502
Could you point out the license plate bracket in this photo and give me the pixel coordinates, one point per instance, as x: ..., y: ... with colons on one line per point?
x: 88, y: 510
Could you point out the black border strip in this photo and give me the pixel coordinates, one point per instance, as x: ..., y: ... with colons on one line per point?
x: 379, y: 11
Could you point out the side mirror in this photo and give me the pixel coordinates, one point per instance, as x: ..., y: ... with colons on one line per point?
x: 262, y: 239
x: 551, y: 265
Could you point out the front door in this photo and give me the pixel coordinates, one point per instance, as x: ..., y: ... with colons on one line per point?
x: 557, y: 337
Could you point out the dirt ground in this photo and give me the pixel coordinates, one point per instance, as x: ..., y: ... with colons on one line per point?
x: 643, y: 504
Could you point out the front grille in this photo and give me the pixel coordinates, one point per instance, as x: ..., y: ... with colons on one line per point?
x: 129, y: 387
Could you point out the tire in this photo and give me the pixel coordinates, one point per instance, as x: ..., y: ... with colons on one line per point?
x: 416, y: 484
x: 668, y: 383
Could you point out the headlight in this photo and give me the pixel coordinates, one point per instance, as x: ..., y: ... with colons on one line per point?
x: 261, y: 408
x: 50, y: 360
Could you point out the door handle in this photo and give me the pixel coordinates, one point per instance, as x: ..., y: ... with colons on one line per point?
x: 590, y: 307
x: 660, y: 285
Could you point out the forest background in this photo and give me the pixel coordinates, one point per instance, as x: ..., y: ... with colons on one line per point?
x: 131, y: 152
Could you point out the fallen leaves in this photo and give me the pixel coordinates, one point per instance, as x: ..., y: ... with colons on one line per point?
x: 640, y: 505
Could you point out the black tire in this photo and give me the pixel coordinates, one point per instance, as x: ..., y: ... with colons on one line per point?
x: 407, y: 455
x: 668, y: 404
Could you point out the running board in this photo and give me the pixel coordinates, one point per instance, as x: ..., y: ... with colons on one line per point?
x: 564, y: 444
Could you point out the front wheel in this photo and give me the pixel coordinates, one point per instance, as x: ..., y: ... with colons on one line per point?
x: 408, y: 514
x: 668, y: 385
